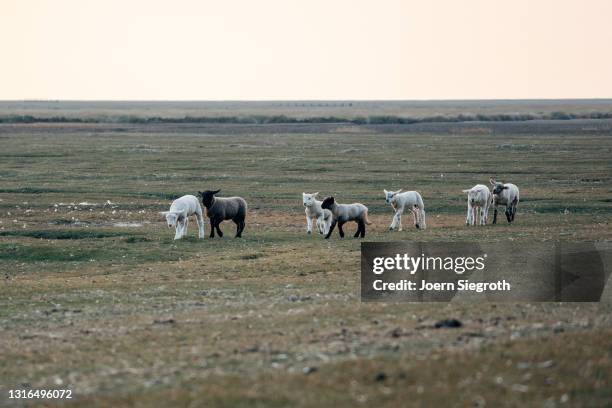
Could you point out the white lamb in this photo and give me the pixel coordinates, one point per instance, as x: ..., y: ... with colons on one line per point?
x: 400, y: 200
x: 179, y: 213
x: 479, y: 199
x: 313, y: 210
x: 505, y: 194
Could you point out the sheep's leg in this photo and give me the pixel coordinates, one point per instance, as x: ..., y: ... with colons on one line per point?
x: 200, y: 221
x: 219, y: 232
x: 320, y: 224
x: 212, y: 228
x: 239, y: 228
x: 508, y: 213
x: 393, y: 222
x: 469, y: 214
x: 178, y: 231
x: 514, y: 203
x: 323, y: 224
x: 340, y: 230
x: 495, y: 215
x: 360, y: 229
x: 331, y: 229
x: 308, y: 224
x: 415, y: 216
x: 185, y: 226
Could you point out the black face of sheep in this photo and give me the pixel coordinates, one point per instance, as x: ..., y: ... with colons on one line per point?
x: 207, y: 197
x: 499, y: 187
x: 328, y: 203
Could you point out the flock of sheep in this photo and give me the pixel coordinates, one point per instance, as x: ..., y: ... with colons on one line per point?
x: 328, y: 213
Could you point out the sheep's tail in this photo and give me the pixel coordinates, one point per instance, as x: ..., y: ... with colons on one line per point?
x: 367, y: 221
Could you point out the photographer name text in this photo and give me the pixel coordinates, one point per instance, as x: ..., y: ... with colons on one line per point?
x: 461, y: 285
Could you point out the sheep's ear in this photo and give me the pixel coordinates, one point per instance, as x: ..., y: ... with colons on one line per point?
x: 385, y: 191
x: 164, y: 213
x: 216, y: 191
x: 492, y: 180
x: 315, y: 194
x: 504, y: 187
x: 401, y: 190
x: 466, y: 191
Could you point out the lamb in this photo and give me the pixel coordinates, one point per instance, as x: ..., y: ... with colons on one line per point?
x: 342, y: 213
x: 313, y: 210
x: 505, y: 194
x: 479, y: 199
x: 179, y: 213
x: 219, y: 209
x: 401, y: 199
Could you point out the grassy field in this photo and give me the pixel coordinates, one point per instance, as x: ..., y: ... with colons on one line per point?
x: 98, y: 298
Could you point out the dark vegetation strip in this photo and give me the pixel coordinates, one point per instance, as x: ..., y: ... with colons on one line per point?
x: 282, y: 119
x: 62, y: 234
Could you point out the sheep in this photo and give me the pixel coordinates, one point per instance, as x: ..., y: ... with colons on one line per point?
x: 342, y: 213
x: 313, y: 210
x: 219, y: 209
x: 504, y: 194
x: 401, y: 199
x: 179, y: 213
x: 479, y: 199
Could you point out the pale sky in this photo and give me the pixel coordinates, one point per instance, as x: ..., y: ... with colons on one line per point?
x: 308, y: 49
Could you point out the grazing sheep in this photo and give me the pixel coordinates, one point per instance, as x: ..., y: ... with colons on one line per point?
x: 479, y: 199
x: 505, y: 194
x: 219, y: 209
x: 313, y: 210
x: 401, y: 199
x: 342, y: 213
x: 179, y: 213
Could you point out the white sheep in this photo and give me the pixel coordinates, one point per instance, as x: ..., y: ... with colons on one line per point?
x: 179, y: 213
x: 505, y: 194
x: 479, y: 200
x: 313, y: 210
x: 400, y: 200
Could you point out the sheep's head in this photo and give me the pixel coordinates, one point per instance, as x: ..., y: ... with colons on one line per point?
x: 497, y: 186
x: 171, y: 218
x: 309, y: 199
x: 207, y: 197
x: 390, y: 195
x: 328, y: 203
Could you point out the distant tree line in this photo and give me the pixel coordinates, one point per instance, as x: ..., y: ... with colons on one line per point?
x: 282, y: 119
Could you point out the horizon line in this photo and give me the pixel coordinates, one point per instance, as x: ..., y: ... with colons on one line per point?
x: 313, y: 100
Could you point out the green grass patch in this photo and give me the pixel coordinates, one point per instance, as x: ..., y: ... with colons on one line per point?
x: 37, y: 253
